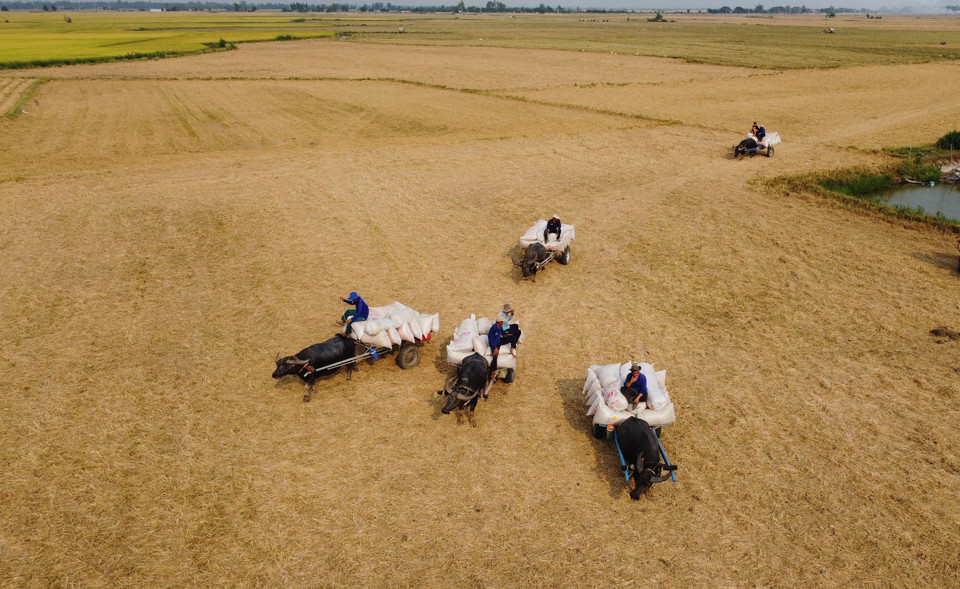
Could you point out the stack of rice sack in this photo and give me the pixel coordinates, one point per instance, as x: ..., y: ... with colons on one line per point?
x: 394, y: 324
x: 470, y: 337
x: 601, y: 393
x: 535, y: 235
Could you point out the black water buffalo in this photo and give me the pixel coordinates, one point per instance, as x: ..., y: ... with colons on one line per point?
x: 535, y: 254
x: 641, y: 452
x: 745, y: 145
x: 307, y: 362
x: 468, y: 385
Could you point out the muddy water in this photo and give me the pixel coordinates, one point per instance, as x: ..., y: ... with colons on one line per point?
x: 940, y: 198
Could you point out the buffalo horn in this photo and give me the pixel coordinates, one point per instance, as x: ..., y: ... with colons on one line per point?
x: 659, y: 479
x: 297, y: 361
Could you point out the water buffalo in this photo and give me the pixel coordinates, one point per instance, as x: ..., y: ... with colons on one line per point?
x: 535, y: 254
x: 641, y: 452
x: 468, y: 385
x: 307, y: 362
x: 744, y: 146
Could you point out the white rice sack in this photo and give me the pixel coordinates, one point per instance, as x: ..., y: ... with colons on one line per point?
x: 481, y: 345
x: 381, y: 340
x: 484, y: 325
x: 386, y: 310
x: 617, y: 402
x: 394, y: 336
x: 463, y: 336
x: 455, y: 357
x: 662, y: 379
x: 414, y: 327
x: 595, y: 391
x: 406, y: 334
x: 606, y: 415
x: 657, y: 398
x: 357, y: 329
x: 435, y: 327
x: 389, y: 322
x: 608, y: 374
x: 371, y: 327
x: 590, y: 379
x: 657, y: 418
x: 425, y: 322
x: 594, y: 406
x: 504, y: 360
x: 534, y: 234
x: 404, y: 315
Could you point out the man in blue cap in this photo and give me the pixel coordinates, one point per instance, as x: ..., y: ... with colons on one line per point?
x: 354, y: 315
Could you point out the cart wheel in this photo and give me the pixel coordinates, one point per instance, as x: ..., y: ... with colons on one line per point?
x: 599, y: 431
x: 770, y: 152
x: 408, y: 356
x: 508, y: 377
x: 565, y: 256
x: 656, y: 430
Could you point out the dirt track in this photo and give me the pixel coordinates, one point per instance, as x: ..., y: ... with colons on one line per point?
x: 167, y: 227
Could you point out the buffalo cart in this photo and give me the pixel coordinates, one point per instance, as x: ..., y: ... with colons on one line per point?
x: 471, y: 337
x: 391, y: 330
x: 609, y: 408
x: 557, y: 249
x: 764, y: 146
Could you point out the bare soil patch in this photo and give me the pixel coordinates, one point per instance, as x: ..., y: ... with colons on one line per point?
x: 165, y: 235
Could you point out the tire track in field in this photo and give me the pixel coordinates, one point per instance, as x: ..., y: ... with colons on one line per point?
x: 11, y: 91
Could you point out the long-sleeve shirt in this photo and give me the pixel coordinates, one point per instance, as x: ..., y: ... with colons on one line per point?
x: 639, y: 385
x: 494, y: 336
x: 363, y: 311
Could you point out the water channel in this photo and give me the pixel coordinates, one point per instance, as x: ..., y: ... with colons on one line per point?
x: 940, y: 198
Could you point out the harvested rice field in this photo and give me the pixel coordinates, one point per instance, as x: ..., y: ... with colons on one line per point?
x: 168, y: 227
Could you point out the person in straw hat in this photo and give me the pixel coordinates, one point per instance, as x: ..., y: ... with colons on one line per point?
x: 635, y: 385
x: 501, y: 333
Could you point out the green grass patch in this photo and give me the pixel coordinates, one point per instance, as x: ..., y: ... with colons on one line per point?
x: 775, y: 42
x: 849, y: 186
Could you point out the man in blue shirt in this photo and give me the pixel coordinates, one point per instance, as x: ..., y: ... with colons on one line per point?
x: 498, y: 337
x: 635, y: 386
x: 354, y: 315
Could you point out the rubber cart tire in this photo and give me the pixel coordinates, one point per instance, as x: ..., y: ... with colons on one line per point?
x: 408, y: 356
x: 770, y: 151
x: 565, y: 256
x: 508, y: 378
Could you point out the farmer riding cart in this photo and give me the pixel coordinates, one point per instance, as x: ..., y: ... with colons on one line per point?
x: 477, y: 365
x: 629, y: 405
x: 544, y: 242
x: 394, y: 328
x: 753, y: 145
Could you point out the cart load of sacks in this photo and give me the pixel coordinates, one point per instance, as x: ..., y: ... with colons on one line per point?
x: 535, y: 235
x: 470, y: 337
x: 394, y: 324
x: 601, y: 393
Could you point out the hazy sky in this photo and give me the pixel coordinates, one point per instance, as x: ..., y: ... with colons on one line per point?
x: 918, y: 6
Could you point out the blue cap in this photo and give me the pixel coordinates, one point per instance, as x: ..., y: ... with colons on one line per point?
x: 353, y: 296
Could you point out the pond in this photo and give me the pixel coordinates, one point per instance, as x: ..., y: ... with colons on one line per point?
x: 941, y: 198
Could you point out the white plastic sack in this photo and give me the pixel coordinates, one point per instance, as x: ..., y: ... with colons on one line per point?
x: 371, y: 327
x: 405, y: 333
x: 455, y: 357
x: 608, y: 374
x: 590, y: 379
x: 594, y: 406
x: 381, y: 340
x: 394, y: 336
x: 414, y: 327
x: 484, y: 325
x: 463, y: 336
x: 481, y: 345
